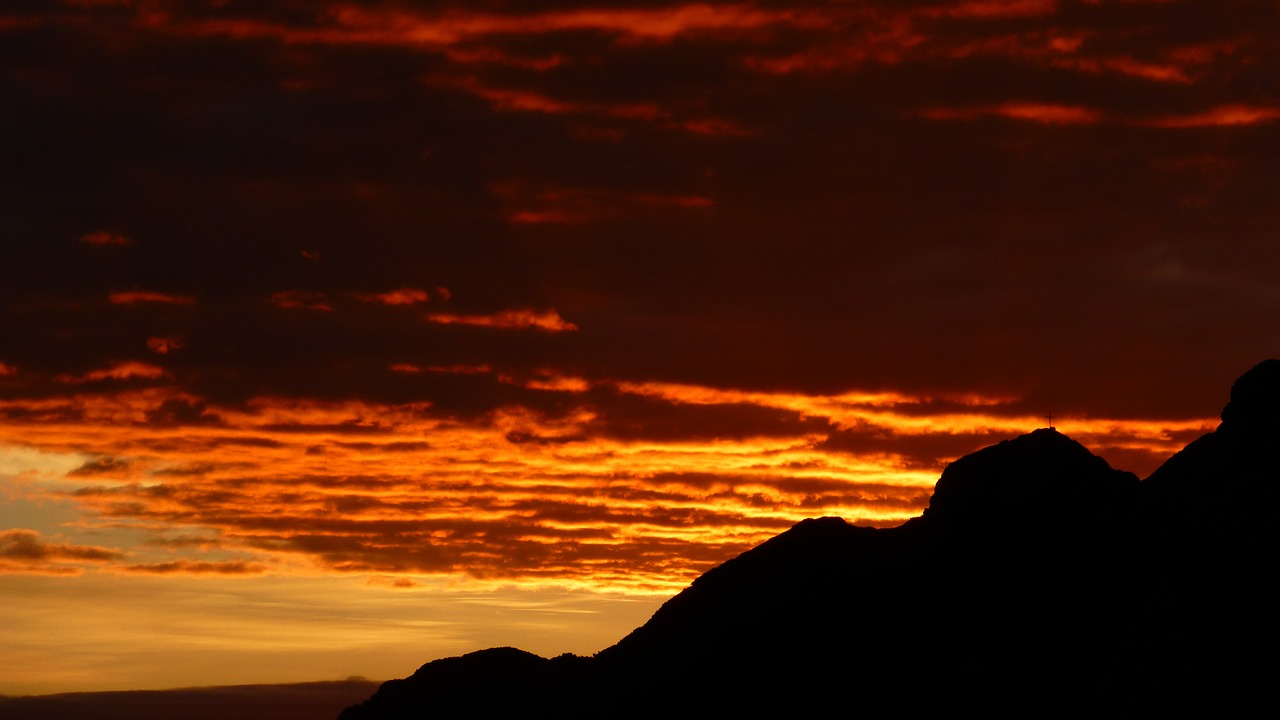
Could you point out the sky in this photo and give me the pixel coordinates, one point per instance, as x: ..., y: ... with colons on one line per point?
x: 337, y: 337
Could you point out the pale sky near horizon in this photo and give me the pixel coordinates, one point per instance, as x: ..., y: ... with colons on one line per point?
x: 336, y: 337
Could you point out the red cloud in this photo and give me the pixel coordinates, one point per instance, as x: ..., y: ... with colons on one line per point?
x: 355, y: 24
x: 532, y: 205
x: 1128, y: 66
x: 1045, y: 113
x: 403, y: 296
x: 164, y: 345
x: 547, y: 320
x: 530, y: 101
x: 120, y: 371
x: 300, y: 300
x: 992, y: 9
x: 1225, y: 116
x: 540, y: 217
x: 654, y: 24
x: 134, y: 297
x: 102, y: 237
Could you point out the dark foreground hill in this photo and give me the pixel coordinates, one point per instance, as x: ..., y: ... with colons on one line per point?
x: 1039, y: 582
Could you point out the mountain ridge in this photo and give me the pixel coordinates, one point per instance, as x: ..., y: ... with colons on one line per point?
x: 1039, y: 580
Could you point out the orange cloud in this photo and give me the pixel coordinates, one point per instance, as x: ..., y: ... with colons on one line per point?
x: 1224, y: 116
x: 292, y: 485
x: 300, y: 300
x: 549, y: 380
x: 134, y: 297
x: 1044, y: 113
x: 102, y: 237
x: 547, y: 320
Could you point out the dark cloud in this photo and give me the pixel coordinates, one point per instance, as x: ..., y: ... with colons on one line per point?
x: 197, y: 568
x: 101, y: 466
x: 27, y: 551
x: 181, y: 411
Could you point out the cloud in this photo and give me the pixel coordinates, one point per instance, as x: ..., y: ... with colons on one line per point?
x: 399, y: 583
x: 506, y: 99
x: 991, y: 9
x: 760, y: 253
x: 529, y: 204
x: 181, y: 411
x: 135, y: 297
x: 531, y: 101
x: 102, y: 466
x: 26, y: 551
x: 300, y: 300
x: 1223, y: 116
x: 182, y: 567
x: 402, y: 296
x: 518, y: 319
x: 124, y: 370
x: 361, y: 25
x: 165, y: 345
x: 620, y: 485
x: 1043, y: 113
x: 1158, y: 72
x: 103, y: 237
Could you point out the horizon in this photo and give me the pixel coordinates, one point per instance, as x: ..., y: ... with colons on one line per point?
x: 339, y: 338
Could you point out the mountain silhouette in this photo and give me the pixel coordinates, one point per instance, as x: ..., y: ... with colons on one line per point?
x: 1038, y: 582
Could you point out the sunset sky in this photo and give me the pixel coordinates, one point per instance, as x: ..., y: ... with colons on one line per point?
x: 337, y: 337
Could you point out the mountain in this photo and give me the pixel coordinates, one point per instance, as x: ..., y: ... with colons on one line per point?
x: 1039, y: 582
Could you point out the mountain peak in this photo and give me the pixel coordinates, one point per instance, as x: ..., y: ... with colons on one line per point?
x: 1043, y: 474
x: 1255, y: 399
